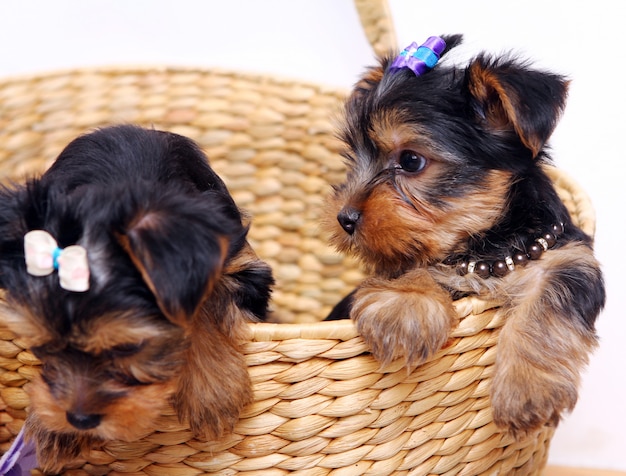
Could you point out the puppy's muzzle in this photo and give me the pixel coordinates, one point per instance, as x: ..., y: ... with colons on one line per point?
x: 349, y: 218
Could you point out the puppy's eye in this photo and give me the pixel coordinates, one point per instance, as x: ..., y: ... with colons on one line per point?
x: 126, y: 350
x: 38, y: 352
x: 45, y: 369
x: 46, y: 350
x: 411, y: 161
x: 125, y: 379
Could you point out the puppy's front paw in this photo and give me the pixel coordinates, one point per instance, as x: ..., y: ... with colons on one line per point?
x: 541, y: 352
x: 408, y: 318
x: 524, y: 400
x: 212, y: 410
x: 214, y: 387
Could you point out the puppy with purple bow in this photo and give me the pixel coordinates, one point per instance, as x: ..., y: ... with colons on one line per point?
x: 446, y: 195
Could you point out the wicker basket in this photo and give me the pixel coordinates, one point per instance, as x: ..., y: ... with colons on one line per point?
x: 322, y: 406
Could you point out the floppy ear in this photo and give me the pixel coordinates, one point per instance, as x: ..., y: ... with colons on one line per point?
x: 8, y: 244
x: 21, y: 206
x: 509, y: 96
x: 18, y: 206
x: 180, y: 250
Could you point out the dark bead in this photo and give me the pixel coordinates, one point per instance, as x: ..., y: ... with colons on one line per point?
x: 535, y: 251
x: 557, y: 229
x: 520, y: 259
x: 482, y: 269
x: 500, y: 268
x: 550, y: 239
x: 462, y: 268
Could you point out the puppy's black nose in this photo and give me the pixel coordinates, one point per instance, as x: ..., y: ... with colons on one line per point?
x: 348, y: 218
x: 83, y: 421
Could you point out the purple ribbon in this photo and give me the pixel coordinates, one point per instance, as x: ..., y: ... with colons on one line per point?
x: 419, y: 59
x: 20, y: 459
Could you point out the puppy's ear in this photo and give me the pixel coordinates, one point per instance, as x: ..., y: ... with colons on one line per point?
x: 21, y: 206
x: 508, y: 96
x: 180, y: 249
x: 8, y: 245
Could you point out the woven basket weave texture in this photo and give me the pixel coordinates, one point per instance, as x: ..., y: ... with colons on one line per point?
x: 322, y: 405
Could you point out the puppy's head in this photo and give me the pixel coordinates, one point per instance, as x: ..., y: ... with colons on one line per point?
x: 431, y: 158
x: 111, y: 354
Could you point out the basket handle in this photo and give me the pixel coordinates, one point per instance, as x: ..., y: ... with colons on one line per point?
x: 375, y: 16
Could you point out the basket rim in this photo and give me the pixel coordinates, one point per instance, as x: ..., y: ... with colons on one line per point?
x: 166, y: 68
x: 345, y: 329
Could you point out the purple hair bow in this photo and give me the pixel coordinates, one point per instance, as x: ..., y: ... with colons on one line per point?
x: 419, y: 59
x: 20, y: 458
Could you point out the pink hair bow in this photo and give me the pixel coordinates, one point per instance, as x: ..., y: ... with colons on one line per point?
x: 43, y: 256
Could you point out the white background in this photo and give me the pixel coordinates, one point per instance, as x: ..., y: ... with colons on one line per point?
x: 321, y: 41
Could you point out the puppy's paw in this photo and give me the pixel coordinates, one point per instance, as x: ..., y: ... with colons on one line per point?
x: 214, y: 386
x: 212, y: 410
x: 408, y: 318
x: 523, y: 405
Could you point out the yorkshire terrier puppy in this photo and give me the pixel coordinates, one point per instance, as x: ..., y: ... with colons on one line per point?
x: 126, y: 270
x: 446, y: 196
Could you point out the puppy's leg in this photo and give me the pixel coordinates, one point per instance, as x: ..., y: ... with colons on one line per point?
x: 406, y: 318
x: 546, y: 339
x: 214, y: 383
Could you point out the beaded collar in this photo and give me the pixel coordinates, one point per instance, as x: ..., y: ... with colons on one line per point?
x: 500, y: 268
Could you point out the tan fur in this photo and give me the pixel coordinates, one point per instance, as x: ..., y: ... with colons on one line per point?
x: 370, y: 78
x: 54, y: 450
x: 109, y: 331
x: 487, y: 88
x: 540, y: 352
x: 127, y: 419
x: 391, y: 132
x: 421, y: 231
x: 407, y: 318
x: 214, y: 384
x: 209, y: 386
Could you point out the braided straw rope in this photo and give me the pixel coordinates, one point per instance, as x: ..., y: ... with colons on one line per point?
x: 377, y: 24
x: 322, y: 405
